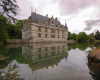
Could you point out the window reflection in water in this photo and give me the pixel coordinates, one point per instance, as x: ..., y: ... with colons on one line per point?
x: 45, y: 55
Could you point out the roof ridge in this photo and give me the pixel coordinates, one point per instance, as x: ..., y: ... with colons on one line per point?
x: 41, y: 15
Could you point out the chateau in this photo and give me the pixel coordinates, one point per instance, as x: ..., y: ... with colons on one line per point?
x: 41, y: 28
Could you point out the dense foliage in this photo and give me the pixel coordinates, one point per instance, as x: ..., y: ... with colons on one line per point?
x: 9, y: 30
x: 82, y: 37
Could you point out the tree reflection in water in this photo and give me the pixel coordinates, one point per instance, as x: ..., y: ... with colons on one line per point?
x: 10, y: 74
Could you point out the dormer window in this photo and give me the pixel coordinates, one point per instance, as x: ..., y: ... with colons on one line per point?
x: 52, y: 22
x: 39, y: 22
x: 46, y: 24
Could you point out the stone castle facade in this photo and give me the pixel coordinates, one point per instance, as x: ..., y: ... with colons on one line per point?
x: 44, y: 29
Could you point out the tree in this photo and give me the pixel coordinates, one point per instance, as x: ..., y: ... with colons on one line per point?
x: 74, y: 36
x: 3, y: 28
x: 3, y: 37
x: 92, y: 35
x: 9, y: 6
x: 69, y: 35
x: 14, y: 32
x: 82, y: 37
x: 97, y: 35
x: 91, y: 39
x: 19, y: 23
x: 3, y: 24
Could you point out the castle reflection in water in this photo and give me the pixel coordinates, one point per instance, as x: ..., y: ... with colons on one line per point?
x: 44, y: 55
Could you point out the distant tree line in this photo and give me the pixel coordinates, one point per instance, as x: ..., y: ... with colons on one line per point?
x: 83, y: 37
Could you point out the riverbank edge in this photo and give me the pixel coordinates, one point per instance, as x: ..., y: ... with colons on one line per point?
x: 21, y: 41
x: 15, y: 41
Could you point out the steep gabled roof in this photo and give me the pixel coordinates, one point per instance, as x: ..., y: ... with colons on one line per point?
x: 36, y: 17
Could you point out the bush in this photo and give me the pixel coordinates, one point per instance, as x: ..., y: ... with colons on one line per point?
x: 91, y: 39
x: 82, y: 37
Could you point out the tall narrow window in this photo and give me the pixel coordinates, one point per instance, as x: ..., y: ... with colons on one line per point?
x: 45, y: 29
x: 30, y: 27
x: 53, y: 31
x: 39, y: 49
x: 58, y: 36
x: 45, y: 35
x: 62, y: 36
x: 39, y: 35
x: 39, y: 29
x: 58, y: 47
x: 46, y: 49
x: 52, y: 22
x: 54, y: 36
x: 62, y: 32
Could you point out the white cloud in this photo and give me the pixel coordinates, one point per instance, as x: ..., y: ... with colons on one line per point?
x: 75, y: 12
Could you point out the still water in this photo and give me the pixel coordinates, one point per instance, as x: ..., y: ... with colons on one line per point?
x: 46, y: 61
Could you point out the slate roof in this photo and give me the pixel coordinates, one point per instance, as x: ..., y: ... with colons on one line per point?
x: 36, y: 17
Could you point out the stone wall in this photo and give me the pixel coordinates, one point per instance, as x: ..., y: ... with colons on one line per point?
x: 17, y: 41
x: 14, y: 41
x: 71, y: 41
x: 27, y: 41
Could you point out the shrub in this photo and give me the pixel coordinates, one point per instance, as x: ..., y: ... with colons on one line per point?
x: 91, y: 39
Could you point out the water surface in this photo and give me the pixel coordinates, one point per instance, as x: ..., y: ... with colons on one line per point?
x: 46, y: 61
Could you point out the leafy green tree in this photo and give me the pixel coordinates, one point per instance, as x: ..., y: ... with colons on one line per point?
x: 91, y: 39
x: 8, y: 7
x: 92, y: 35
x: 14, y: 32
x: 19, y: 23
x: 69, y: 35
x: 3, y: 28
x: 3, y: 37
x: 3, y: 24
x: 82, y: 37
x: 97, y: 35
x: 74, y: 36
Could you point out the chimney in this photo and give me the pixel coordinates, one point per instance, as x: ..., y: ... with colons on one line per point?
x: 34, y: 13
x: 56, y: 18
x: 46, y: 15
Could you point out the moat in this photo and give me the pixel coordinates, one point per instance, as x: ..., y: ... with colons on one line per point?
x: 46, y: 61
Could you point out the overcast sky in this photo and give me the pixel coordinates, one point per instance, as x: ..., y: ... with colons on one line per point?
x: 80, y: 15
